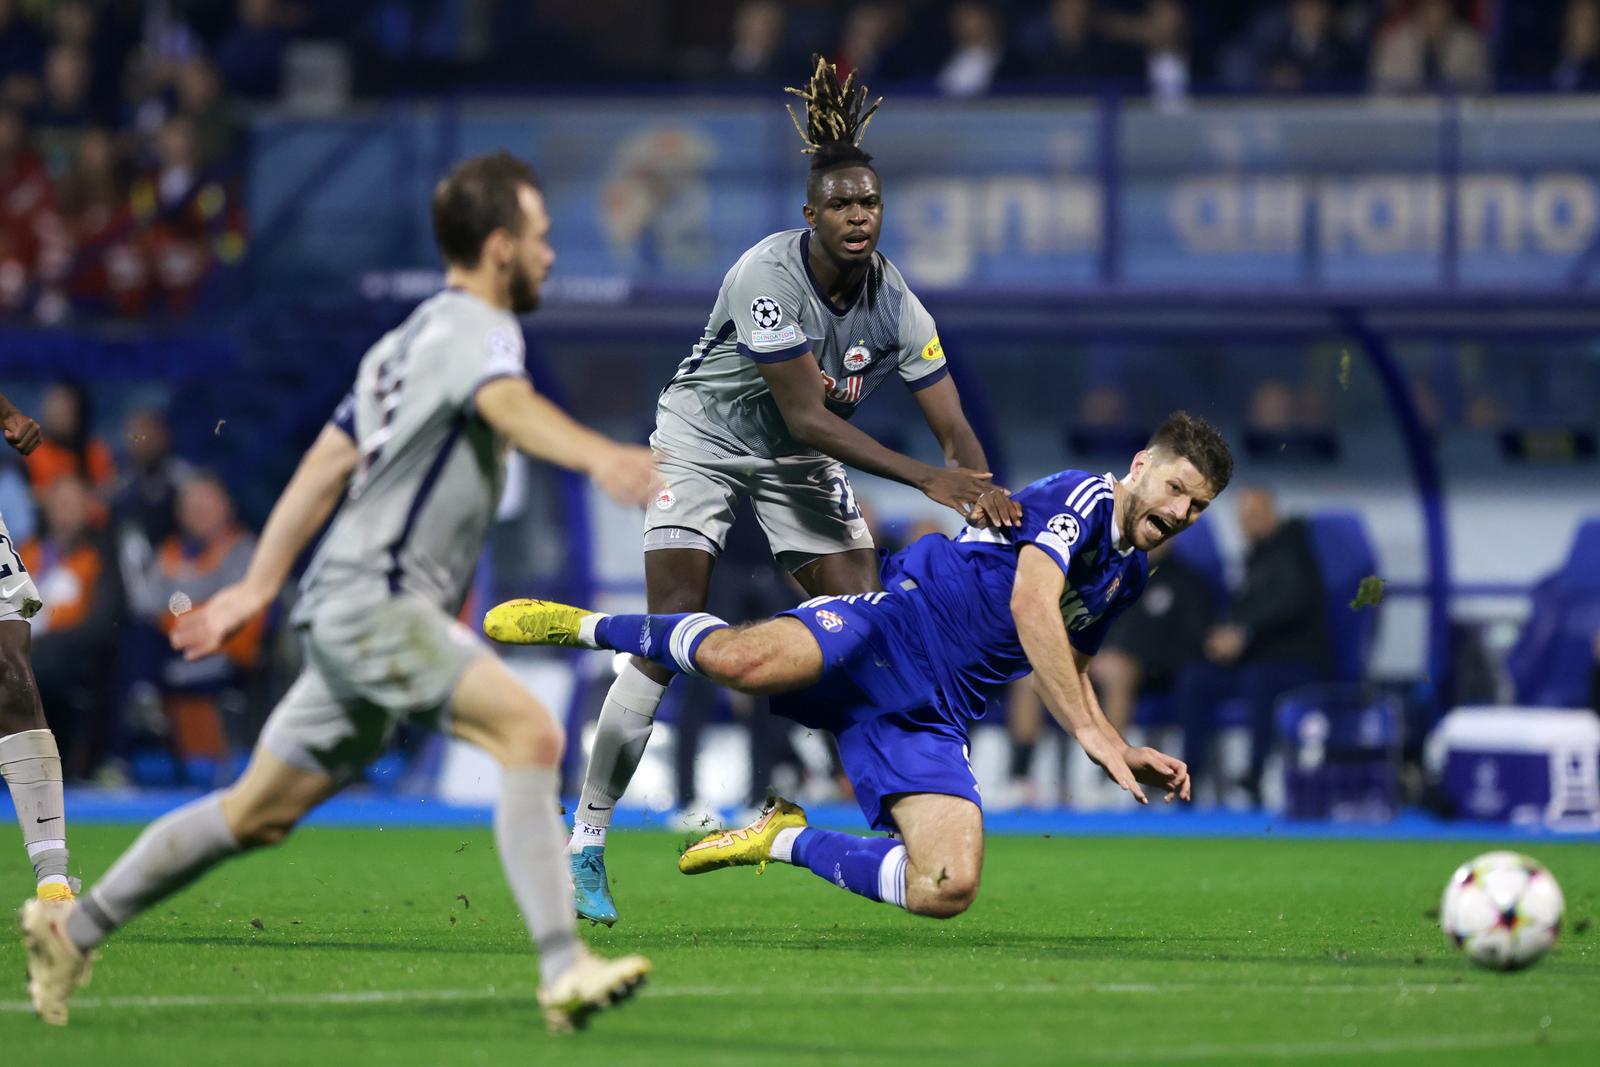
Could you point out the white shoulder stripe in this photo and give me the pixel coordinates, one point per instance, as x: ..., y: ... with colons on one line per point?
x: 1087, y: 505
x: 1079, y: 496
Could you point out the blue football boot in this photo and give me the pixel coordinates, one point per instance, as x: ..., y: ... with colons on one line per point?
x: 591, y: 893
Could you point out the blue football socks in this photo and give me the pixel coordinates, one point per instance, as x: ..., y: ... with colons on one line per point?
x: 670, y: 640
x: 872, y: 867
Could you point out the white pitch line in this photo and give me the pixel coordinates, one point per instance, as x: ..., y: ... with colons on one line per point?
x: 1293, y: 1050
x: 405, y: 996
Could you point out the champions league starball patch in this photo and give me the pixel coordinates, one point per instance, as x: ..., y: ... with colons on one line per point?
x: 765, y: 312
x: 1065, y: 527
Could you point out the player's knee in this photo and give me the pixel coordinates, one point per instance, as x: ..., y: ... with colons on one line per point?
x: 951, y: 893
x: 262, y: 827
x: 532, y: 741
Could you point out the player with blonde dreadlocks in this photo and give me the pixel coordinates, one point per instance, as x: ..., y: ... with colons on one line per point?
x: 807, y: 324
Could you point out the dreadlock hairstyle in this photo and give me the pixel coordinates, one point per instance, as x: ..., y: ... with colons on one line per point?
x: 836, y: 119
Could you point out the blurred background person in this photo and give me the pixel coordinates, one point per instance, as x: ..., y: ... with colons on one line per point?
x: 75, y: 635
x: 1431, y: 49
x: 1273, y: 638
x: 203, y: 699
x: 1578, y: 65
x: 977, y: 49
x: 71, y: 447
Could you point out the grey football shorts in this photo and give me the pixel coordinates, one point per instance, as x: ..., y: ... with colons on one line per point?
x: 805, y: 504
x: 370, y: 664
x: 19, y: 597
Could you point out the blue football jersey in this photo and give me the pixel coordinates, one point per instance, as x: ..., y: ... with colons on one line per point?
x: 964, y: 585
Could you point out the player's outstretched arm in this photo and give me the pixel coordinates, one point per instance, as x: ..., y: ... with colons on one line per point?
x: 1036, y: 609
x: 313, y: 492
x: 941, y: 407
x: 796, y: 386
x: 22, y: 433
x: 626, y: 473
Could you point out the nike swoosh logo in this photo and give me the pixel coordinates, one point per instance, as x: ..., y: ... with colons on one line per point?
x: 52, y: 818
x: 591, y: 807
x: 7, y: 594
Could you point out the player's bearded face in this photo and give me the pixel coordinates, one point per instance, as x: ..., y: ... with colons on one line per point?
x: 524, y: 291
x: 1165, y: 497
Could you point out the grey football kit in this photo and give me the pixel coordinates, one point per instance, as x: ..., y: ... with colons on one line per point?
x: 719, y: 427
x: 377, y: 605
x: 19, y: 597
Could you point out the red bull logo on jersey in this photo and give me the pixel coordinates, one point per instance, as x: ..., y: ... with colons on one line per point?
x: 830, y: 621
x: 665, y: 499
x: 845, y: 391
x: 856, y: 358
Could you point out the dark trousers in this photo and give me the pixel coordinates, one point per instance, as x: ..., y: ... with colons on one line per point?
x: 1203, y: 687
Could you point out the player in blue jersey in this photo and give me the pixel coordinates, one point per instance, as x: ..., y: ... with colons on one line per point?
x: 900, y: 675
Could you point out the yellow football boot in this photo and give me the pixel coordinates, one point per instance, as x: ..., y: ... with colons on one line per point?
x: 742, y: 848
x: 56, y: 893
x: 537, y: 622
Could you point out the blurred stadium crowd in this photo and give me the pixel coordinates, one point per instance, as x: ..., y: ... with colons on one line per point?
x: 120, y: 122
x: 124, y: 147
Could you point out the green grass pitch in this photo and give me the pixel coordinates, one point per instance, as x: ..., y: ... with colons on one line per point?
x: 394, y: 948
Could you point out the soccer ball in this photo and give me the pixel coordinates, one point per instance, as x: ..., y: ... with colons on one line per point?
x: 1502, y: 909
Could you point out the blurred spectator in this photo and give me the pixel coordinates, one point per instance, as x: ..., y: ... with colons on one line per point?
x: 1160, y: 637
x: 208, y: 550
x: 21, y: 49
x: 69, y: 447
x: 870, y: 30
x: 1578, y: 70
x: 29, y: 227
x: 200, y: 98
x: 1432, y: 50
x: 757, y: 53
x: 67, y: 111
x: 978, y: 47
x: 88, y: 27
x: 1025, y: 717
x: 192, y: 218
x: 251, y: 54
x: 1069, y: 49
x: 1274, y: 637
x: 16, y: 498
x: 1161, y: 32
x: 146, y: 500
x: 1271, y: 407
x: 77, y: 580
x: 1299, y: 49
x: 109, y: 272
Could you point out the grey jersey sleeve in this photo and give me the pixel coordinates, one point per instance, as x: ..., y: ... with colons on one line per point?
x: 921, y: 355
x: 494, y: 352
x: 769, y: 310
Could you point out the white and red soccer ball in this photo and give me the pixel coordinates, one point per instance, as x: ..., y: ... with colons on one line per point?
x: 1503, y: 909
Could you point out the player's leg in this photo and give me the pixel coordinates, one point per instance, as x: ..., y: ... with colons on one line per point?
x: 840, y: 573
x: 259, y: 809
x: 30, y: 762
x: 943, y: 836
x: 676, y: 580
x: 685, y: 528
x: 491, y: 709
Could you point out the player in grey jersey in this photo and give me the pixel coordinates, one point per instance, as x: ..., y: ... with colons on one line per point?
x: 413, y: 460
x: 29, y: 759
x: 806, y: 325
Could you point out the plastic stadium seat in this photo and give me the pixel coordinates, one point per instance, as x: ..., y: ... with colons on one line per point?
x: 1345, y: 556
x: 1554, y: 655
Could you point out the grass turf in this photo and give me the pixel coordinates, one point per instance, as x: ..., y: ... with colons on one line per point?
x: 1078, y: 951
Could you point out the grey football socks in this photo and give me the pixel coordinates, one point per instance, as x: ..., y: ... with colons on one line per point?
x: 31, y: 765
x: 172, y: 852
x: 528, y: 834
x: 626, y: 718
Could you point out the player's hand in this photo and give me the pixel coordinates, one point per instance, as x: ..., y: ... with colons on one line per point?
x: 956, y: 487
x: 1111, y: 755
x: 1156, y: 768
x: 995, y: 508
x: 22, y: 433
x: 627, y: 474
x: 204, y: 630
